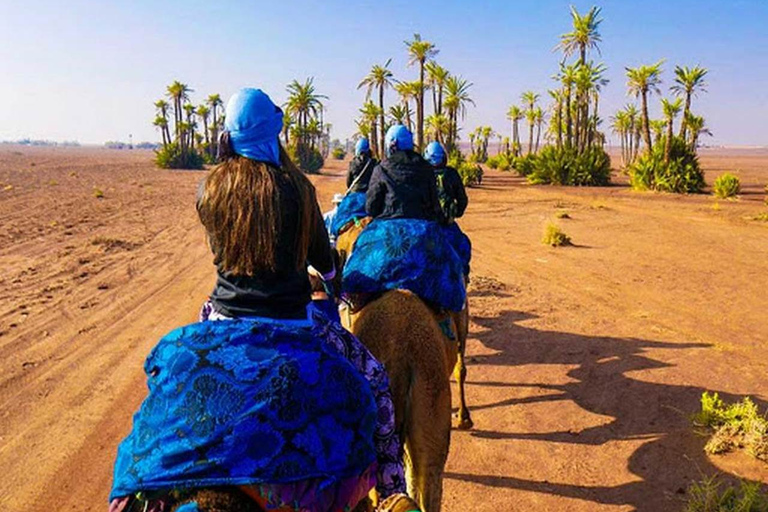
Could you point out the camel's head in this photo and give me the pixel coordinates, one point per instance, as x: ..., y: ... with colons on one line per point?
x: 347, y: 237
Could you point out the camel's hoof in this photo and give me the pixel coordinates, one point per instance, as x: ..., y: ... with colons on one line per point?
x: 465, y: 423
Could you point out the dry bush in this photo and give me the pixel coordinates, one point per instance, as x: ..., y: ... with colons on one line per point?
x: 555, y: 237
x: 738, y: 425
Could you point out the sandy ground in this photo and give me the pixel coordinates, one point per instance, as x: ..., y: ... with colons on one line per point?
x: 584, y: 362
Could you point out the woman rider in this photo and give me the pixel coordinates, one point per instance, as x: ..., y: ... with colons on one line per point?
x: 453, y: 201
x: 352, y: 207
x: 404, y: 246
x: 274, y: 402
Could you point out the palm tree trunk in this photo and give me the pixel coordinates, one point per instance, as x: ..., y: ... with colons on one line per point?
x: 686, y: 113
x: 668, y: 147
x: 646, y: 123
x: 530, y: 138
x: 381, y: 115
x: 538, y: 136
x: 420, y: 109
x: 568, y: 121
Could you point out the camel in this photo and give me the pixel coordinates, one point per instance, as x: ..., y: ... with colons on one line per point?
x: 404, y: 334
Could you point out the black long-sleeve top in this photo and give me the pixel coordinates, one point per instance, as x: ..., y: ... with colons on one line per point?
x: 360, y: 171
x: 454, y: 189
x: 284, y: 292
x: 403, y: 186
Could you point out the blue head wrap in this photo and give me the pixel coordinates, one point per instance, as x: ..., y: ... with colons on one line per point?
x: 435, y: 154
x: 398, y: 138
x: 362, y: 146
x: 254, y: 124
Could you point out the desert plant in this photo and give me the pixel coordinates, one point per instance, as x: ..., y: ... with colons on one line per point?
x: 380, y: 77
x: 470, y: 172
x: 711, y: 495
x: 566, y: 166
x: 726, y: 185
x: 419, y: 52
x: 682, y: 175
x: 308, y: 159
x: 339, y: 153
x: 172, y: 156
x: 738, y: 425
x: 98, y: 193
x: 524, y: 165
x: 554, y: 236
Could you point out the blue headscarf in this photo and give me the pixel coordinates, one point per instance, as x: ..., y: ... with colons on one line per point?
x: 435, y: 154
x: 398, y: 138
x: 254, y: 124
x: 362, y: 146
x: 189, y: 507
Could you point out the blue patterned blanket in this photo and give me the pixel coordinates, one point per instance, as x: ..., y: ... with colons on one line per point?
x: 244, y: 402
x: 409, y: 254
x: 351, y: 207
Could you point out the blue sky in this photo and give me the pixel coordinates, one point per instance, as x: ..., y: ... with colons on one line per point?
x: 90, y: 70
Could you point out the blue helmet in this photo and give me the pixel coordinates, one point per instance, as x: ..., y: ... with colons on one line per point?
x: 362, y: 146
x: 398, y: 138
x: 435, y: 154
x: 254, y: 124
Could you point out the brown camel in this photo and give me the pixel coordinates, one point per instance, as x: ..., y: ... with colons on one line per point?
x: 404, y: 334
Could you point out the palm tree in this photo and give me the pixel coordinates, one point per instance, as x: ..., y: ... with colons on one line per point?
x: 303, y: 105
x: 515, y: 114
x: 688, y: 82
x: 214, y: 102
x: 189, y: 109
x: 398, y: 114
x: 556, y: 123
x: 530, y: 98
x: 407, y: 91
x: 567, y: 76
x: 179, y: 93
x: 436, y: 78
x: 437, y: 127
x: 671, y: 110
x: 584, y: 35
x: 696, y: 127
x: 370, y: 113
x: 641, y: 81
x: 380, y: 77
x: 456, y: 101
x: 420, y: 52
x: 621, y: 127
x: 657, y: 128
x: 204, y: 112
x: 538, y: 118
x: 162, y: 111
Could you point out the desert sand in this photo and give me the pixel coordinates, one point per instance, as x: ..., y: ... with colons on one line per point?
x: 585, y: 362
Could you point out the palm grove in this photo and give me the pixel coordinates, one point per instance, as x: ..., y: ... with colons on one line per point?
x: 560, y: 143
x: 190, y: 139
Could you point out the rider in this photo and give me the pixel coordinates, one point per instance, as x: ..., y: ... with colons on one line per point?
x: 453, y: 200
x: 361, y: 167
x: 260, y: 400
x: 404, y: 247
x: 352, y: 206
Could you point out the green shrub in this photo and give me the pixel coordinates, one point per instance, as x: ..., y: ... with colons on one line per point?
x: 339, y: 153
x: 170, y: 156
x: 470, y: 172
x: 710, y: 495
x: 565, y: 166
x: 734, y: 426
x: 307, y: 159
x: 683, y: 175
x: 555, y: 237
x: 98, y: 193
x: 727, y: 185
x: 524, y: 164
x: 493, y: 161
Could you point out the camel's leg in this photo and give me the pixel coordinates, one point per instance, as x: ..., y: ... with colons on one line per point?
x: 428, y: 436
x: 460, y: 370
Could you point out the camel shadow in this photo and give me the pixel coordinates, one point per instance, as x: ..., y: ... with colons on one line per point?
x: 601, y: 383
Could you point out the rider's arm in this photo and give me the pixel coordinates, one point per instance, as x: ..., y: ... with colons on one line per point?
x: 377, y: 193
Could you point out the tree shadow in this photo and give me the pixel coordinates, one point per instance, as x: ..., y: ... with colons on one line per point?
x: 666, y: 464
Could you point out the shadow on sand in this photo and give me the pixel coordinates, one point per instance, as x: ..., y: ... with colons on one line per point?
x: 672, y: 458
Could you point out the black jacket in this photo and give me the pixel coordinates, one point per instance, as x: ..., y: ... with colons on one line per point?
x: 403, y: 187
x: 454, y: 191
x: 284, y: 292
x: 361, y: 166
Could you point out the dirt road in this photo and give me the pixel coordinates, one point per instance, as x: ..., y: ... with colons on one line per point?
x: 585, y: 362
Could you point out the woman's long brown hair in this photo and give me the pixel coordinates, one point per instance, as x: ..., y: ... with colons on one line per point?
x: 241, y: 209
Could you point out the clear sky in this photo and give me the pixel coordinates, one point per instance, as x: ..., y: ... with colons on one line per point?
x: 90, y: 70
